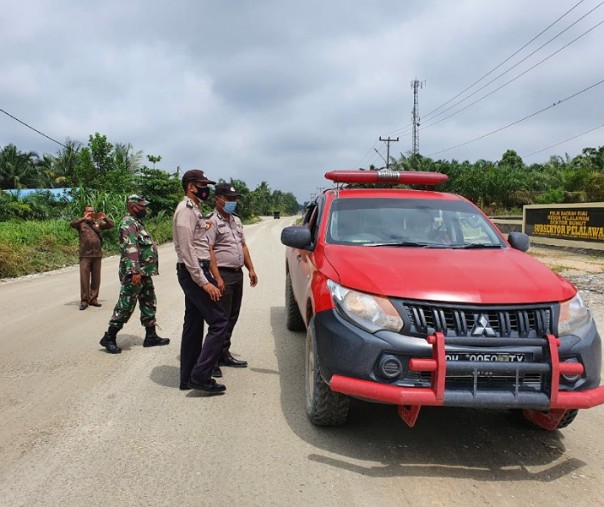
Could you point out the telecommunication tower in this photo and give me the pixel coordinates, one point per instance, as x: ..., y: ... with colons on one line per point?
x: 416, y: 85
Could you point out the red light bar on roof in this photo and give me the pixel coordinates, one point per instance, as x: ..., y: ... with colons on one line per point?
x: 388, y: 177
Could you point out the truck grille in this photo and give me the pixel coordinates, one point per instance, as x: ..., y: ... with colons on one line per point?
x: 506, y: 322
x: 524, y: 383
x: 472, y: 329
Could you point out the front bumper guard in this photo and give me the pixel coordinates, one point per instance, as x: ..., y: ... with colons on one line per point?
x: 544, y: 409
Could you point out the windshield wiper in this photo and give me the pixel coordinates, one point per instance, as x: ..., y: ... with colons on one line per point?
x: 408, y: 243
x: 470, y: 246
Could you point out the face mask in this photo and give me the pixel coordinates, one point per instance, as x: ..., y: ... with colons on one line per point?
x: 202, y: 193
x: 141, y: 213
x: 229, y: 206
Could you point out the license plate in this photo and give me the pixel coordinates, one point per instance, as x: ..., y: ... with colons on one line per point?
x: 487, y: 357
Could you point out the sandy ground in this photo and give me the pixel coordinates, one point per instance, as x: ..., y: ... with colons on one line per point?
x: 81, y: 427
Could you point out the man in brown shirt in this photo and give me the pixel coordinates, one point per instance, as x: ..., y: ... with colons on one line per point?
x: 89, y: 228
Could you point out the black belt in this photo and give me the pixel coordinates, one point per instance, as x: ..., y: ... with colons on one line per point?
x: 203, y: 264
x: 233, y: 270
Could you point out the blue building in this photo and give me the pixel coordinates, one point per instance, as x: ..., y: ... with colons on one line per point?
x: 58, y: 193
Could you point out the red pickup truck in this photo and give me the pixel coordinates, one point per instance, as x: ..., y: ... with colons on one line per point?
x: 415, y: 298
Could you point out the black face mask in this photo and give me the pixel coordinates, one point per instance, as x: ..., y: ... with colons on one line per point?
x: 141, y: 213
x: 202, y: 193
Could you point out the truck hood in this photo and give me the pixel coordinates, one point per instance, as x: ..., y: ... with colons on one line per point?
x: 486, y: 276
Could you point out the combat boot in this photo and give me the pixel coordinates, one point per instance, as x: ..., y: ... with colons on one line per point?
x: 109, y: 340
x: 152, y: 340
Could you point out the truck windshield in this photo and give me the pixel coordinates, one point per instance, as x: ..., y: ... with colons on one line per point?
x: 428, y: 223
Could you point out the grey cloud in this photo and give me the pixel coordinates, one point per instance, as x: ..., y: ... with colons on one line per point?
x: 281, y: 91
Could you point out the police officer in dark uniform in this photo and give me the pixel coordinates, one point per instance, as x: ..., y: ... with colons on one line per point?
x: 198, y: 282
x: 228, y: 247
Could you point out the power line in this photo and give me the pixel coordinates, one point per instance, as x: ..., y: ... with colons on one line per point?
x: 510, y: 57
x: 32, y: 128
x: 359, y: 164
x: 521, y: 120
x: 381, y: 156
x: 514, y: 66
x: 402, y: 130
x: 514, y: 78
x: 565, y: 141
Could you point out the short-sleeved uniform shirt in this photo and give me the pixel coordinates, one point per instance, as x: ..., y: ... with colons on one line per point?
x: 227, y: 238
x: 190, y: 239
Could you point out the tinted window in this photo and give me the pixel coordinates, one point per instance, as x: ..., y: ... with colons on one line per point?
x: 425, y: 222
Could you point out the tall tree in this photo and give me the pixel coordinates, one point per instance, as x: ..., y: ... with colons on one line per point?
x: 17, y: 169
x: 66, y: 162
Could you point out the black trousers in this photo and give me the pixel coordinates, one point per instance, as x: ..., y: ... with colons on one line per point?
x: 197, y: 361
x: 231, y: 300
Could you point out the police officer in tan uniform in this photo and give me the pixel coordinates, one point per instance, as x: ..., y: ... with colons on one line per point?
x: 228, y: 247
x: 199, y: 284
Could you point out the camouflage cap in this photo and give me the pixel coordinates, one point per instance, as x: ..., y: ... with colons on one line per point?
x: 137, y: 199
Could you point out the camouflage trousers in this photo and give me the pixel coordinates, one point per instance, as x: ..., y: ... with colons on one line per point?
x: 126, y: 303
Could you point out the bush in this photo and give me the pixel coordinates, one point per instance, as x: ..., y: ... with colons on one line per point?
x: 37, y: 246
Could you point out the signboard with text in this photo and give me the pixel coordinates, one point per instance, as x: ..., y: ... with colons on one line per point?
x: 577, y: 223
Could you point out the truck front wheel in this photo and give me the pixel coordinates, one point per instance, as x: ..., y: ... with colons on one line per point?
x: 323, y: 406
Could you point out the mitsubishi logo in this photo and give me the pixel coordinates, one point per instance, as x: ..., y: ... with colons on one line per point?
x: 482, y: 328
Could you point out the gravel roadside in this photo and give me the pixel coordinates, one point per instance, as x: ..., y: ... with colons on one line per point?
x: 583, y: 269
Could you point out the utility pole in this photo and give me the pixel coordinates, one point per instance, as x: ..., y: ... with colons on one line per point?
x: 415, y: 84
x: 388, y: 140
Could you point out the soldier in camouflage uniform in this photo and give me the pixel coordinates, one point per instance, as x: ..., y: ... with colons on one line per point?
x: 138, y: 263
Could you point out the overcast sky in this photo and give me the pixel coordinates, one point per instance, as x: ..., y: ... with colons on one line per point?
x: 282, y: 91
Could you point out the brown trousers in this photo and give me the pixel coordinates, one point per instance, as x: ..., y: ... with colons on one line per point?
x: 90, y: 279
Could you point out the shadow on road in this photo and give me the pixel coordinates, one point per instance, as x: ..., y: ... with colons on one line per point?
x: 167, y: 376
x: 484, y: 445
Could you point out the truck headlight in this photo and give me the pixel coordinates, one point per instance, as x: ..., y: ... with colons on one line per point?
x: 372, y: 313
x: 573, y: 314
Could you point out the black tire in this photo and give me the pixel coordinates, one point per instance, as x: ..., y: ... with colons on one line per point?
x: 323, y: 406
x: 568, y: 418
x: 294, y: 321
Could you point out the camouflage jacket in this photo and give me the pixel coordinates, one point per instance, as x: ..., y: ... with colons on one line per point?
x: 138, y: 249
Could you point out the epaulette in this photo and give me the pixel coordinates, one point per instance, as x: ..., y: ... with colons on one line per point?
x: 190, y: 203
x: 209, y: 216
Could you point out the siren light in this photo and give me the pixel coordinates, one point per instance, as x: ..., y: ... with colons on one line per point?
x: 386, y: 176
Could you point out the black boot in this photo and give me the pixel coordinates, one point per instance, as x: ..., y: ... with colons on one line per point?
x: 228, y: 360
x: 152, y: 340
x: 109, y: 340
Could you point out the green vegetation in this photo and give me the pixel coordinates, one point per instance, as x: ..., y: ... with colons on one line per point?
x: 34, y: 230
x: 35, y: 246
x: 103, y: 174
x: 503, y: 187
x: 35, y: 234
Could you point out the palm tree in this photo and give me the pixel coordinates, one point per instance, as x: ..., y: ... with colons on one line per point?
x: 126, y: 158
x: 66, y: 162
x: 17, y: 169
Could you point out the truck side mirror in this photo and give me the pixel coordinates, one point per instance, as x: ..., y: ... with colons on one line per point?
x: 296, y: 236
x: 519, y: 241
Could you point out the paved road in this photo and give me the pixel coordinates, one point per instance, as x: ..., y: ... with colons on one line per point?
x: 81, y: 427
